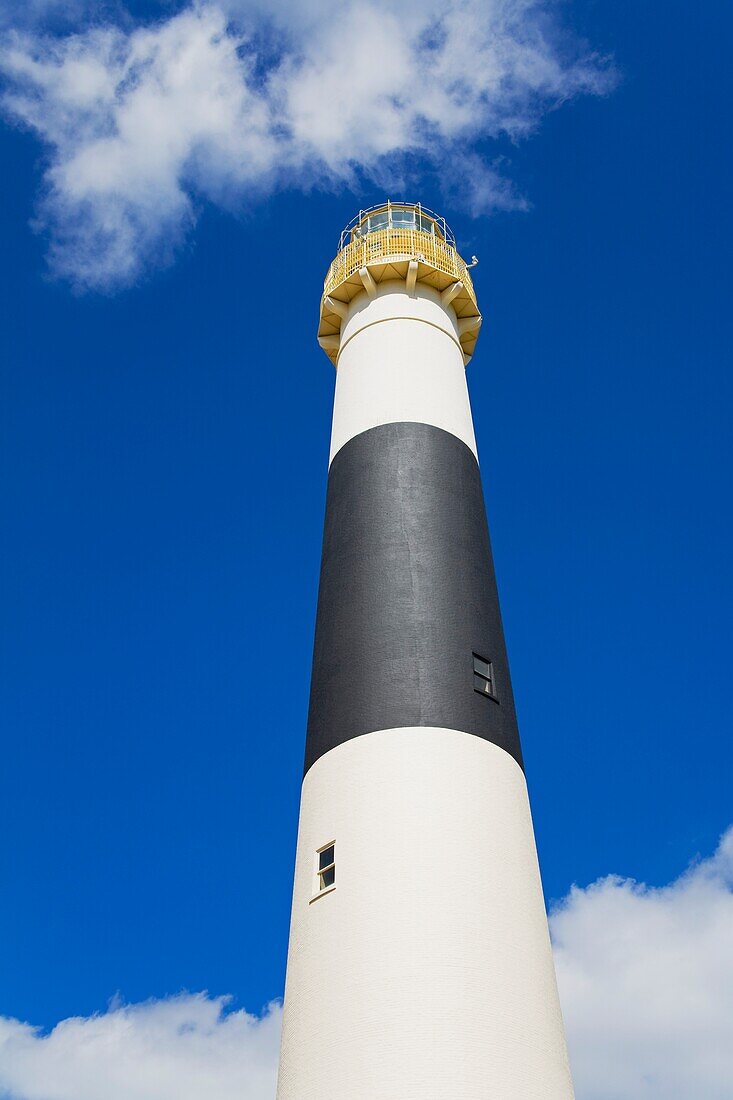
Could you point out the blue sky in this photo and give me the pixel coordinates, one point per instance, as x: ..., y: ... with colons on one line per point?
x: 165, y: 423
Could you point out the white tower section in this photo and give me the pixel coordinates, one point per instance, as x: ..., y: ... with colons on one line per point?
x: 401, y: 360
x: 419, y: 964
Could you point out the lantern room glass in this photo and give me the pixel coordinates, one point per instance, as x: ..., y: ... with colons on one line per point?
x: 397, y: 216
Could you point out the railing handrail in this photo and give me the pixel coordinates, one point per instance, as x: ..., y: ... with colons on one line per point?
x: 395, y: 241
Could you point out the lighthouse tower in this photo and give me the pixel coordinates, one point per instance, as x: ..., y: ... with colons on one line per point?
x: 419, y: 964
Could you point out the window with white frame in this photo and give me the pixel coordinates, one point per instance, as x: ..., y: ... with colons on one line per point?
x: 326, y: 867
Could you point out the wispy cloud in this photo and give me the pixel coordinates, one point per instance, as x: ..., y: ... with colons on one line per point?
x: 646, y: 982
x: 223, y: 102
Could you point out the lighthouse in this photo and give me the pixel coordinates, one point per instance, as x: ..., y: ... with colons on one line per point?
x: 419, y: 962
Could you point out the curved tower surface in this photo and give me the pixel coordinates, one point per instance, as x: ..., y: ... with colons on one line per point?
x: 419, y: 964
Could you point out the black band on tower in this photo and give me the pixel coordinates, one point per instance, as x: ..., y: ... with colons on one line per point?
x: 407, y: 595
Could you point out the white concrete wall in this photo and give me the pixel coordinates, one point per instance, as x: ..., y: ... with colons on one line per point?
x: 400, y: 360
x: 427, y: 973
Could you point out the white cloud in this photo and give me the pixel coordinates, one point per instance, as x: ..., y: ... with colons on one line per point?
x: 646, y: 983
x: 143, y: 124
x: 183, y: 1048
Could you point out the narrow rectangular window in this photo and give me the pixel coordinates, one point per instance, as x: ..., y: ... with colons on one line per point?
x: 327, y: 867
x: 483, y: 677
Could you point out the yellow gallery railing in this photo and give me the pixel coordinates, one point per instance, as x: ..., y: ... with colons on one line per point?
x: 394, y: 243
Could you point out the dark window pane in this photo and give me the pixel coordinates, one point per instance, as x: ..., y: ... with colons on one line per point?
x: 328, y: 878
x: 481, y: 666
x: 482, y: 685
x: 326, y: 857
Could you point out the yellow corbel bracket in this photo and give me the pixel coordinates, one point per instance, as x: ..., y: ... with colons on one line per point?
x: 468, y: 324
x: 339, y: 308
x: 369, y: 285
x: 450, y: 293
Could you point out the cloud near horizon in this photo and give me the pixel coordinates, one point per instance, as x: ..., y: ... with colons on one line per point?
x: 646, y: 983
x: 225, y: 101
x: 179, y: 1048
